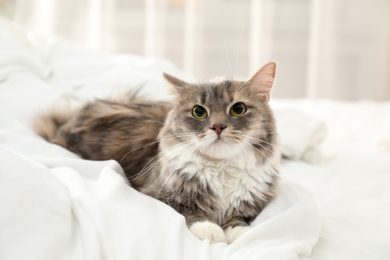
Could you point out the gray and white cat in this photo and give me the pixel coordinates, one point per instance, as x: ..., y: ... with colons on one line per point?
x: 211, y: 154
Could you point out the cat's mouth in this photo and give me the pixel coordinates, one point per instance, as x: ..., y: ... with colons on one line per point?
x: 220, y: 147
x: 220, y: 139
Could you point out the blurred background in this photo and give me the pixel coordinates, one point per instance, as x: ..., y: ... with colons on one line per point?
x: 336, y: 49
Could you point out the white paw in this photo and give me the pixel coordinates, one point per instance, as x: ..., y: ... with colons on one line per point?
x: 233, y: 233
x: 208, y: 230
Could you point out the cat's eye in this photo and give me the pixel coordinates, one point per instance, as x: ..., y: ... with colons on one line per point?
x: 199, y: 112
x: 238, y: 109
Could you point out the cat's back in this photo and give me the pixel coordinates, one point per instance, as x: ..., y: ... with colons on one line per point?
x: 104, y: 130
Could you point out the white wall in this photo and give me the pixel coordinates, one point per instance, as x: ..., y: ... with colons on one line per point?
x: 337, y: 49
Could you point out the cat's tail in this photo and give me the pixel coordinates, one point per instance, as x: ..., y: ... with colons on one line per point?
x: 48, y: 125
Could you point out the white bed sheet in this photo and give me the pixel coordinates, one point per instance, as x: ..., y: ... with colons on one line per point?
x: 333, y: 203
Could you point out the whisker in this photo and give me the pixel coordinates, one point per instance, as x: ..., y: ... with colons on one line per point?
x: 146, y: 167
x: 171, y: 175
x: 177, y: 147
x: 265, y: 155
x: 146, y: 145
x: 259, y: 141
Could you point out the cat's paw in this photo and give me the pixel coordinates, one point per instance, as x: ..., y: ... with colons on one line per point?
x: 233, y: 233
x: 208, y: 230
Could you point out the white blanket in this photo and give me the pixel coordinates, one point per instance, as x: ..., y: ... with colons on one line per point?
x: 57, y: 206
x: 301, y: 134
x: 54, y: 205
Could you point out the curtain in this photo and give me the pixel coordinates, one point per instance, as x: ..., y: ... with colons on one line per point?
x: 334, y: 49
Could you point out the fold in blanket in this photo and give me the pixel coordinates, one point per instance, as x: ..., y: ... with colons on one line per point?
x: 301, y: 134
x: 58, y: 214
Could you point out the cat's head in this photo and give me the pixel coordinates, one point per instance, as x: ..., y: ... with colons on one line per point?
x: 222, y: 118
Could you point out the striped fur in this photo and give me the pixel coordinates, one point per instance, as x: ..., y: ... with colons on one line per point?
x: 215, y: 179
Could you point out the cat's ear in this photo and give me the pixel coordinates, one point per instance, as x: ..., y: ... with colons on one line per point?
x: 263, y: 80
x: 176, y: 86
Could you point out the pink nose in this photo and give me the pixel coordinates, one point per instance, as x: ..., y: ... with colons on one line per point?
x: 218, y: 128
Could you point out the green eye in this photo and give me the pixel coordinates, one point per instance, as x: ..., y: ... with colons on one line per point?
x: 199, y: 112
x: 238, y: 109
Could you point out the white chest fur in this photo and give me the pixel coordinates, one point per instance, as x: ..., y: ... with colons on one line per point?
x: 232, y: 179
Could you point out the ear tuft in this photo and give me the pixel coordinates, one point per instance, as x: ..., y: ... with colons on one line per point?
x: 176, y: 86
x: 263, y: 81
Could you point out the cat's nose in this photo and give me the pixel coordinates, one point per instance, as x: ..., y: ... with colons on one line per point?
x: 218, y: 128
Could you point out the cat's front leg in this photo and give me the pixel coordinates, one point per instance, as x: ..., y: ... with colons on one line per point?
x: 199, y: 222
x: 197, y: 204
x: 235, y: 227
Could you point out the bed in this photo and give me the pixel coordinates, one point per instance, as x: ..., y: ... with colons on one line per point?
x: 333, y: 201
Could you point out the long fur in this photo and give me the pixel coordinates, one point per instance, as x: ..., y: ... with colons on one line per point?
x: 48, y: 124
x: 219, y: 180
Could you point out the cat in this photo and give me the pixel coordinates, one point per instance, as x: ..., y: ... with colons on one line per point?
x: 211, y: 154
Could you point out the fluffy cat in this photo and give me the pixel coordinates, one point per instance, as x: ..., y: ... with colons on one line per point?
x: 211, y: 154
